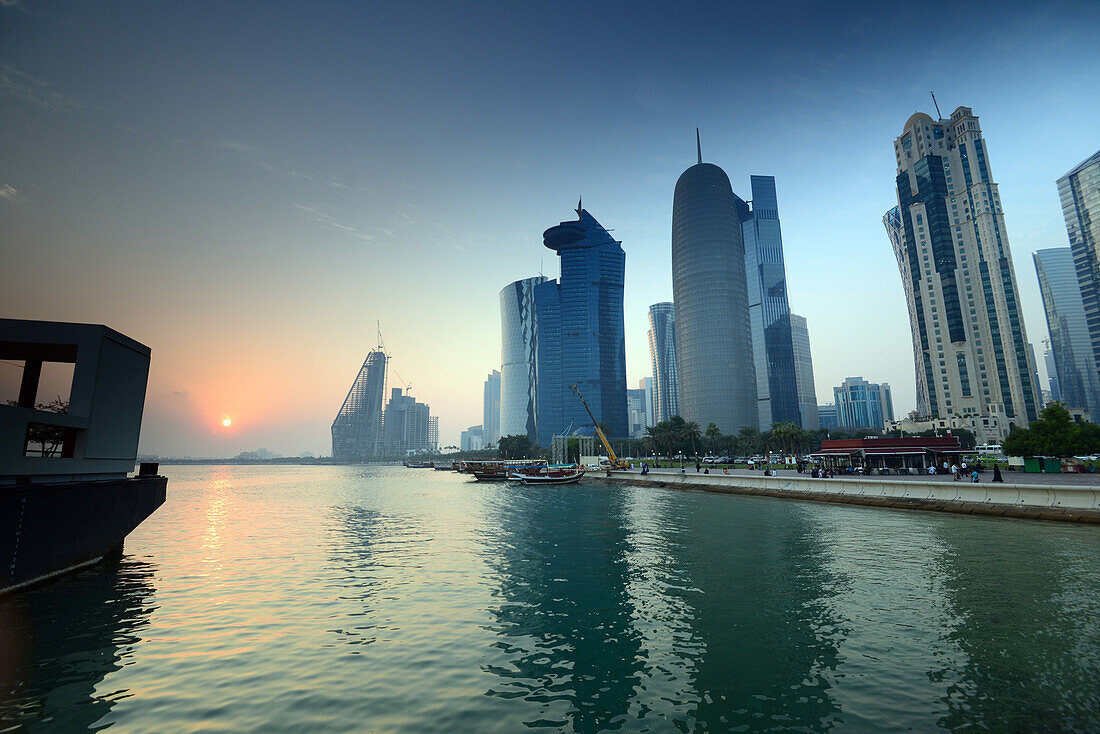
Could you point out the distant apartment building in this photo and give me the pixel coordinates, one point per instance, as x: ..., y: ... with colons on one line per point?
x: 581, y: 332
x: 826, y: 415
x: 646, y: 383
x: 804, y: 373
x: 1054, y: 388
x: 357, y: 428
x: 636, y: 412
x: 1079, y: 191
x: 472, y: 439
x: 491, y: 408
x: 1070, y: 345
x: 769, y: 312
x: 519, y: 359
x: 406, y: 424
x: 662, y: 357
x: 433, y: 433
x: 862, y: 404
x: 949, y: 236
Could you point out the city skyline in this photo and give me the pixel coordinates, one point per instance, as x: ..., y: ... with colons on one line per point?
x: 245, y: 202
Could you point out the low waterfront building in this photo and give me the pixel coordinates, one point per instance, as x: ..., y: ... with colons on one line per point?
x: 902, y: 455
x: 990, y: 427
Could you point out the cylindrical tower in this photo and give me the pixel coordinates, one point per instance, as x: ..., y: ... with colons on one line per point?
x: 717, y: 376
x: 519, y: 364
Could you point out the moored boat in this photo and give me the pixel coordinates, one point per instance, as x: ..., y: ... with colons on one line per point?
x: 567, y: 477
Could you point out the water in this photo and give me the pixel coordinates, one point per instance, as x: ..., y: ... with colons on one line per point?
x: 395, y: 600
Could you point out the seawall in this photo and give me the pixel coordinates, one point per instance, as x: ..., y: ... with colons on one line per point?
x: 1034, y: 501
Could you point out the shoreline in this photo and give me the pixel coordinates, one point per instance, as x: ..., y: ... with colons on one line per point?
x: 1061, y: 503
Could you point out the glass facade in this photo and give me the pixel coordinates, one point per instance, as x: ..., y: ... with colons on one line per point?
x: 581, y: 332
x: 1077, y: 381
x: 662, y: 355
x: 1079, y: 191
x: 862, y: 404
x: 769, y: 312
x: 804, y: 373
x: 714, y: 351
x: 357, y: 429
x: 491, y: 408
x: 519, y: 359
x: 406, y: 425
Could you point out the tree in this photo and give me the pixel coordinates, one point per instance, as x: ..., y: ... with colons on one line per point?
x: 514, y: 447
x: 713, y: 436
x: 786, y: 432
x: 749, y: 441
x: 1053, y: 434
x: 690, y: 434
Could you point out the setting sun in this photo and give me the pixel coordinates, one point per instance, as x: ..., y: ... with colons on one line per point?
x: 227, y: 422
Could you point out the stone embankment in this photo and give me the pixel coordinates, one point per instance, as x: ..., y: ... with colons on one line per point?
x: 1037, y: 501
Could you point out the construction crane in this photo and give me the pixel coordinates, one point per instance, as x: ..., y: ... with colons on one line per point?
x: 616, y: 462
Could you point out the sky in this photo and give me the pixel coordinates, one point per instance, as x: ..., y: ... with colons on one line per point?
x: 251, y: 188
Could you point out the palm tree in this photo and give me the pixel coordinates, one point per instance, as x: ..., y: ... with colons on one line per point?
x: 691, y: 432
x: 785, y: 432
x: 713, y: 436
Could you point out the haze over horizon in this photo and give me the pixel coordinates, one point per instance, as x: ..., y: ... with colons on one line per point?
x: 249, y: 188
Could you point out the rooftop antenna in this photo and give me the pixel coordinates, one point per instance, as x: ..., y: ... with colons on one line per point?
x: 939, y: 115
x: 698, y: 145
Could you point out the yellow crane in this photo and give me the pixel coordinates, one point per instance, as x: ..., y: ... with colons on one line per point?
x: 616, y: 462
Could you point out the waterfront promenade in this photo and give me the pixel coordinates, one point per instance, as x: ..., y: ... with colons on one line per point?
x: 1064, y: 497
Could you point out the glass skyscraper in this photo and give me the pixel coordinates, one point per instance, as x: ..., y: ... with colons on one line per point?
x: 519, y: 359
x: 581, y: 332
x: 1078, y: 382
x: 1079, y: 191
x: 862, y: 404
x: 772, y: 346
x: 804, y: 373
x: 662, y: 356
x: 357, y: 429
x: 490, y: 422
x: 949, y: 235
x: 714, y: 352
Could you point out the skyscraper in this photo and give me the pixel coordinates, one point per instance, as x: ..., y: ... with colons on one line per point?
x: 949, y: 235
x: 1079, y: 191
x: 804, y: 373
x: 491, y: 408
x: 714, y: 354
x: 581, y: 332
x: 662, y: 356
x: 357, y: 428
x: 636, y: 412
x: 1052, y: 371
x: 1077, y: 381
x: 647, y: 384
x: 862, y: 404
x: 519, y: 359
x: 769, y: 312
x: 406, y: 424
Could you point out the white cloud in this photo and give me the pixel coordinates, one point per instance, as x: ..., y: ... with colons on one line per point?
x: 25, y: 88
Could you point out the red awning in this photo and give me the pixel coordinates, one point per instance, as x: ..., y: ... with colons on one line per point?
x: 894, y: 452
x: 836, y: 452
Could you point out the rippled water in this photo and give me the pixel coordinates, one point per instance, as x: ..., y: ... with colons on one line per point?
x: 395, y: 600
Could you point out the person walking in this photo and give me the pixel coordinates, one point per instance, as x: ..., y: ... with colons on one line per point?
x: 955, y: 472
x: 997, y: 473
x: 974, y: 476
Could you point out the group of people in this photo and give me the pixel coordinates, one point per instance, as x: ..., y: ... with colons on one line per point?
x: 956, y: 471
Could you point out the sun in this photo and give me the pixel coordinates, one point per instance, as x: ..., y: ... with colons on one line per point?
x: 227, y: 422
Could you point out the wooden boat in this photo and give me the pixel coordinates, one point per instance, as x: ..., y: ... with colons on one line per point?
x: 419, y: 465
x: 494, y: 470
x: 568, y: 477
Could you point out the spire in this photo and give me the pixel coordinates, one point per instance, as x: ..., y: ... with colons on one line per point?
x: 579, y: 207
x: 698, y: 145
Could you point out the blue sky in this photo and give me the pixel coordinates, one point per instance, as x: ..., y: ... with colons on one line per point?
x: 248, y: 188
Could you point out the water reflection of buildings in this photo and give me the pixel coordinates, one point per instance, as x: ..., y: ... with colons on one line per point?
x: 1024, y: 605
x: 562, y: 611
x: 58, y: 642
x: 608, y: 612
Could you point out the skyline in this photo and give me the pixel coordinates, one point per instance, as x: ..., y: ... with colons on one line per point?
x: 243, y: 188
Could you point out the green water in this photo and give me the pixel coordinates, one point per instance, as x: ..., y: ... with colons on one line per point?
x: 396, y: 600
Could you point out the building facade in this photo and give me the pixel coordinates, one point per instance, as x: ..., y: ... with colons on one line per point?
x: 357, y: 428
x: 769, y: 312
x: 581, y: 331
x: 636, y: 412
x: 949, y: 235
x: 519, y: 335
x: 472, y: 439
x: 826, y: 415
x: 804, y: 373
x: 862, y: 404
x: 1052, y: 372
x: 1070, y: 344
x: 1079, y: 191
x: 490, y: 419
x: 714, y: 355
x: 406, y: 425
x: 646, y: 383
x: 662, y: 357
